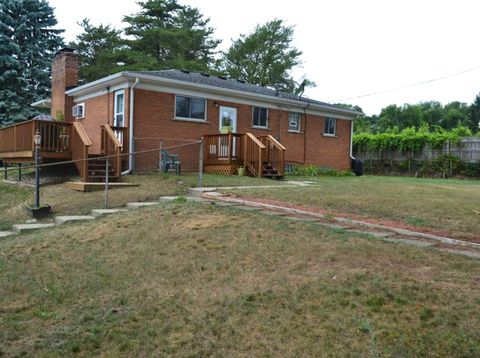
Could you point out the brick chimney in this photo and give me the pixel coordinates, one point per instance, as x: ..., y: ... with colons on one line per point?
x: 64, y: 77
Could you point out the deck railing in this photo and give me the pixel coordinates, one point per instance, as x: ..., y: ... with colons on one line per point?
x: 274, y: 153
x: 223, y: 148
x: 112, y: 146
x: 19, y: 137
x: 80, y: 144
x: 253, y: 155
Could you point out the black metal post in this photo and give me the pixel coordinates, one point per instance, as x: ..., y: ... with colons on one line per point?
x: 19, y: 177
x: 6, y: 170
x: 37, y: 176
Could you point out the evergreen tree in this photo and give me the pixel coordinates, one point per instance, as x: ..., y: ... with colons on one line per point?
x: 474, y: 115
x: 174, y: 36
x: 102, y: 52
x: 27, y: 45
x: 265, y: 57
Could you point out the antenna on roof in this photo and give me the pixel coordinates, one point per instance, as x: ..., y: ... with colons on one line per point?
x: 301, y: 83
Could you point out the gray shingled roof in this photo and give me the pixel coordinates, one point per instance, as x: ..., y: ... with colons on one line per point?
x: 223, y: 82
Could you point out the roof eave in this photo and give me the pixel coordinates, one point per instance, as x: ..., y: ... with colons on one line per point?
x: 127, y: 75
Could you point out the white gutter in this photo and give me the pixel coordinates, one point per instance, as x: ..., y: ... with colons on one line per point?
x: 130, y: 129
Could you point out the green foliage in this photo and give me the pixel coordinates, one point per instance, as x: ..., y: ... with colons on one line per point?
x: 171, y: 35
x: 474, y: 114
x: 103, y: 52
x: 265, y: 57
x: 27, y: 44
x: 313, y: 170
x: 409, y: 139
x: 432, y: 114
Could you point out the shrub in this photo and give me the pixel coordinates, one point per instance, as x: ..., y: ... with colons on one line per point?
x: 312, y: 170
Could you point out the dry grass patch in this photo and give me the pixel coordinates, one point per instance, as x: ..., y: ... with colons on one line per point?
x: 450, y: 205
x: 196, y: 280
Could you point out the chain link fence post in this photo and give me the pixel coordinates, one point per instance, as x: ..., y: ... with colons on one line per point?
x: 107, y: 169
x: 200, y: 164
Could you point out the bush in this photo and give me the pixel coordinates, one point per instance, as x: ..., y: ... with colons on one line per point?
x: 312, y: 170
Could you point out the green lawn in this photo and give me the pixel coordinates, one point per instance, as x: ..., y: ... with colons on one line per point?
x: 450, y: 205
x: 14, y: 198
x: 193, y: 280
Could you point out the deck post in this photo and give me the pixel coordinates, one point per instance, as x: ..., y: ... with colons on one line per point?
x: 200, y: 164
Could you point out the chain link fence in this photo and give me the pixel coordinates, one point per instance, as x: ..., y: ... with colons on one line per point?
x: 158, y: 165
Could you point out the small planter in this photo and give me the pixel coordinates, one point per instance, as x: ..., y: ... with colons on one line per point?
x: 39, y: 213
x: 241, y: 171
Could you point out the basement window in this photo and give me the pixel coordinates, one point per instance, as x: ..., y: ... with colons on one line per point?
x: 260, y: 117
x: 330, y: 127
x: 190, y: 108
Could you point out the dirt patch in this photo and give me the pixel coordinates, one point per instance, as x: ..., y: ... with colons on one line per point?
x: 204, y: 222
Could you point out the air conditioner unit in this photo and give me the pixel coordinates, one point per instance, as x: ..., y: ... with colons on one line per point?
x: 293, y: 123
x: 78, y: 110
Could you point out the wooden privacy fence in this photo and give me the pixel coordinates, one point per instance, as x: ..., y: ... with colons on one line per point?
x: 467, y: 150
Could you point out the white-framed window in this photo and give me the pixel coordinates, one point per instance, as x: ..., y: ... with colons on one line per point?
x: 260, y: 117
x: 78, y: 111
x: 330, y: 126
x: 293, y: 122
x: 119, y: 109
x: 190, y: 107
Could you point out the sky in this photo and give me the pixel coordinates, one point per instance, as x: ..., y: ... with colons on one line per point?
x: 350, y: 48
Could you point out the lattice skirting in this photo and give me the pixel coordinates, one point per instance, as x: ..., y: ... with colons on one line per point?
x: 222, y: 169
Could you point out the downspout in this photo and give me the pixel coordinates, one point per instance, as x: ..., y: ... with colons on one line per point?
x: 305, y: 134
x: 351, y: 139
x: 131, y: 141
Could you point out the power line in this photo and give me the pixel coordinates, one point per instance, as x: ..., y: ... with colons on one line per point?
x: 409, y: 86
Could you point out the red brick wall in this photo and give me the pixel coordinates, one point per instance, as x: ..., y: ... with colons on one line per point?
x: 98, y: 112
x: 154, y: 113
x: 64, y: 75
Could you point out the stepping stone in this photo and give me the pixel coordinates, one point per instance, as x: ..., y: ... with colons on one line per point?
x: 135, y: 206
x: 377, y: 234
x: 410, y: 242
x: 274, y: 213
x: 59, y: 220
x: 28, y: 227
x: 225, y: 203
x: 6, y: 234
x: 101, y: 212
x: 199, y: 191
x: 475, y: 255
x: 166, y: 199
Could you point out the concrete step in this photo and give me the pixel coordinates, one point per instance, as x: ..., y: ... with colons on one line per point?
x: 101, y: 212
x: 59, y: 220
x: 6, y: 234
x: 135, y: 206
x: 29, y: 227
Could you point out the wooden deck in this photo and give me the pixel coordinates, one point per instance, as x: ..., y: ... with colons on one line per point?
x: 16, y: 141
x: 225, y: 153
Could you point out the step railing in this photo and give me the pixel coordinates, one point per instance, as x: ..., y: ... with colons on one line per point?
x: 80, y: 144
x: 274, y: 153
x: 253, y: 155
x: 223, y: 148
x: 112, y: 146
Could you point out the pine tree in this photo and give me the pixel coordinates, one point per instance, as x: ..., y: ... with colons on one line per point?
x: 27, y: 44
x: 474, y: 115
x: 173, y: 35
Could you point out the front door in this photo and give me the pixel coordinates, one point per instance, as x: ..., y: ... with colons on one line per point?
x: 228, y: 120
x: 227, y: 124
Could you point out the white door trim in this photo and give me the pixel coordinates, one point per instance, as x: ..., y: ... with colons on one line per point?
x: 234, y: 124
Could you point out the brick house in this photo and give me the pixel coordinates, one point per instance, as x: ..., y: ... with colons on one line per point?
x: 174, y: 106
